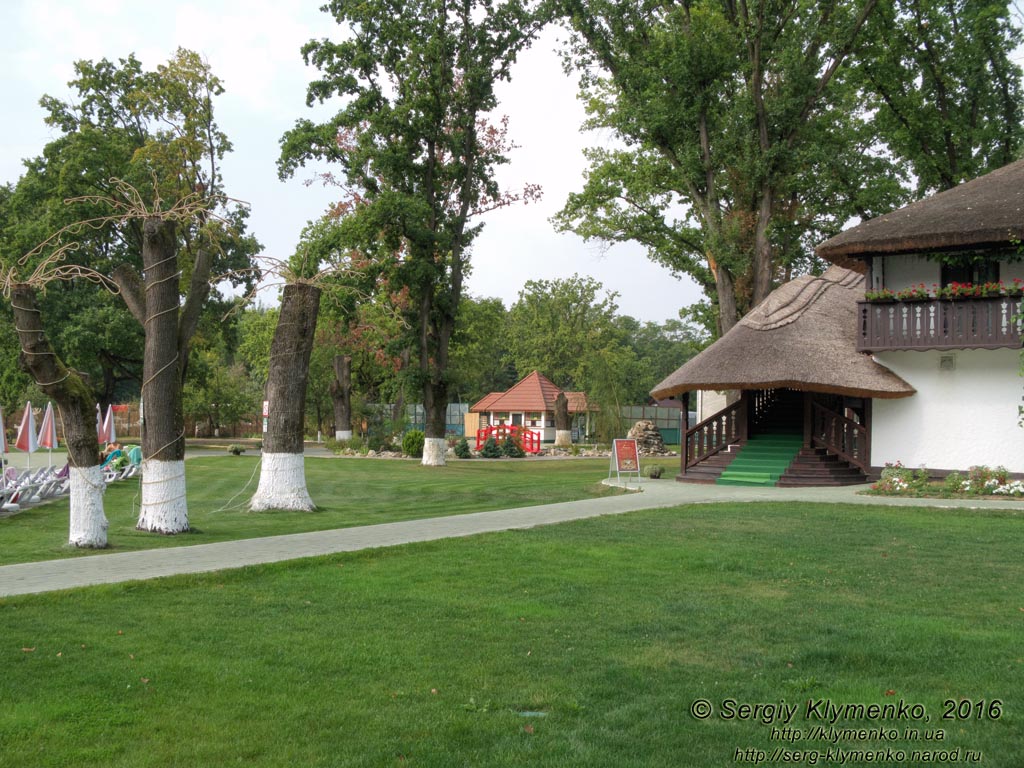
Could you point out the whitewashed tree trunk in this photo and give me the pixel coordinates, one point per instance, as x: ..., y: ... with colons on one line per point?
x: 563, y: 438
x: 88, y: 522
x: 282, y: 484
x: 164, y: 506
x: 434, y: 450
x: 343, y: 434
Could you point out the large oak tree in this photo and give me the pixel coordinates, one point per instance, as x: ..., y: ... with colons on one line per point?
x: 417, y: 82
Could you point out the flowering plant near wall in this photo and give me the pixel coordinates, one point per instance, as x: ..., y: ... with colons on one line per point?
x: 951, y: 291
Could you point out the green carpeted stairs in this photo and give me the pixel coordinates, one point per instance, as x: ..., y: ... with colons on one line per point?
x: 762, y: 460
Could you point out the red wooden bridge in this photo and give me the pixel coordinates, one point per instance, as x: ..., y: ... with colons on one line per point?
x: 527, y: 438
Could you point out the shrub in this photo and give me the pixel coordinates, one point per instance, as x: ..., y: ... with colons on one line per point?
x: 954, y: 483
x: 654, y: 471
x: 491, y: 449
x: 235, y: 449
x: 462, y: 449
x: 512, y: 448
x: 412, y: 443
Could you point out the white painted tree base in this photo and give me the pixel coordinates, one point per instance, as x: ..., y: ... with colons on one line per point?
x: 343, y: 434
x: 164, y: 506
x: 434, y: 450
x: 88, y: 522
x: 563, y: 438
x: 282, y: 484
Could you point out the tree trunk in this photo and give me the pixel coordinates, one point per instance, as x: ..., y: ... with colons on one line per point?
x: 341, y: 397
x: 563, y: 427
x: 282, y: 472
x: 164, y: 508
x: 77, y: 409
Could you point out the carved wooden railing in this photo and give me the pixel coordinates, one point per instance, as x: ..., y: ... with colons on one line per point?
x: 971, y: 323
x: 712, y: 435
x: 842, y: 436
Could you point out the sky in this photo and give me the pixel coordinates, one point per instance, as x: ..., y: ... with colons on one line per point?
x: 253, y: 47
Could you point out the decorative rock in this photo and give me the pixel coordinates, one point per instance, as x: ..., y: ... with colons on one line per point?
x: 648, y: 439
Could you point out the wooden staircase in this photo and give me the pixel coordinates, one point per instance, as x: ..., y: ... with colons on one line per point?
x: 780, y: 422
x: 816, y: 467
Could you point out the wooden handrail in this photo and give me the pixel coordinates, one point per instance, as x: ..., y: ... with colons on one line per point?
x: 971, y: 323
x: 844, y: 437
x: 714, y: 434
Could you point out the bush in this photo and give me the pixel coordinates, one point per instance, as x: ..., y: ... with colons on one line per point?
x: 654, y: 471
x: 491, y: 449
x: 954, y: 483
x: 412, y: 443
x: 235, y: 449
x: 512, y: 448
x: 462, y: 449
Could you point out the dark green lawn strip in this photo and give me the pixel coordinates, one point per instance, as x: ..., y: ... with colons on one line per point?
x: 348, y: 492
x: 428, y: 654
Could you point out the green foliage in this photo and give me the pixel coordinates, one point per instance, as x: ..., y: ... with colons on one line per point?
x: 491, y: 449
x: 235, y: 449
x: 943, y: 89
x: 511, y: 448
x: 412, y: 443
x: 654, y: 471
x: 462, y: 449
x: 417, y: 80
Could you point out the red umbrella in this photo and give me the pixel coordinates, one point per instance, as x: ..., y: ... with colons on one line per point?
x: 48, y: 433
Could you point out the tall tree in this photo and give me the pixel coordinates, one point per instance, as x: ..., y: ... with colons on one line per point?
x: 414, y: 146
x: 722, y: 107
x: 943, y: 89
x: 139, y: 160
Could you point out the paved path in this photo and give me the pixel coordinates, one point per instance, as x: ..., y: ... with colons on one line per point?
x: 50, y: 575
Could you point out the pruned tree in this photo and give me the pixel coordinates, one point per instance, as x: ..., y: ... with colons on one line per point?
x: 131, y: 194
x: 412, y: 139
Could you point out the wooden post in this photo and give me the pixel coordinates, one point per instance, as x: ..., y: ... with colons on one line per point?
x: 808, y: 417
x: 685, y: 422
x: 744, y: 415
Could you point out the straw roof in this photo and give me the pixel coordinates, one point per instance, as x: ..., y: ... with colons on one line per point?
x: 533, y: 393
x: 802, y: 336
x: 987, y: 212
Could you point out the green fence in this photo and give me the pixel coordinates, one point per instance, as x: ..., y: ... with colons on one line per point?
x: 667, y: 420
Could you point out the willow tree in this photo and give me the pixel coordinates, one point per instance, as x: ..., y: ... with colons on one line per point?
x: 412, y: 140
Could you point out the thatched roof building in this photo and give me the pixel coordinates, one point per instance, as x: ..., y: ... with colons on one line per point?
x: 985, y: 213
x: 802, y: 337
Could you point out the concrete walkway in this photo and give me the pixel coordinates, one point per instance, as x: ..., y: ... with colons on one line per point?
x: 51, y: 575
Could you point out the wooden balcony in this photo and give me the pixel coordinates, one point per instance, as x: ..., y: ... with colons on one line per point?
x: 989, y: 323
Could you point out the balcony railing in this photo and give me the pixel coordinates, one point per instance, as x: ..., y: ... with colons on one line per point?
x: 970, y: 323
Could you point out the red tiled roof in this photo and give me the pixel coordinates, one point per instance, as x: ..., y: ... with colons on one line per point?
x: 533, y: 393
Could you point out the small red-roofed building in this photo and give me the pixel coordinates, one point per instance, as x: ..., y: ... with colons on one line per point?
x: 530, y: 404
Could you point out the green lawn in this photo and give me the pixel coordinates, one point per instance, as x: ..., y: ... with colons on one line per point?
x: 581, y: 644
x: 348, y: 491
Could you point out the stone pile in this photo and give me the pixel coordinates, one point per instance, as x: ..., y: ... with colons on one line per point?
x: 648, y: 438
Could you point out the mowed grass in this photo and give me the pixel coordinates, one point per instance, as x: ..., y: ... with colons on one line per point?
x: 581, y: 644
x: 348, y: 492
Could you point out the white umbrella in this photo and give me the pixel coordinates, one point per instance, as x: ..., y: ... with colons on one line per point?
x: 108, y: 433
x: 26, y: 440
x: 48, y: 434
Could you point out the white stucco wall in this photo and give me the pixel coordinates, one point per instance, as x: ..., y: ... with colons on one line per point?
x: 710, y: 403
x: 958, y: 418
x: 1011, y: 269
x: 899, y: 272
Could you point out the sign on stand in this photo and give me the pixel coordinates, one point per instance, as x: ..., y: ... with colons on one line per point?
x: 625, y: 460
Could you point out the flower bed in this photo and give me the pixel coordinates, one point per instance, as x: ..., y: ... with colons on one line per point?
x: 897, y: 480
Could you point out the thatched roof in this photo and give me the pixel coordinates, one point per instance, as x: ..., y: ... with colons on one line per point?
x: 984, y: 213
x: 803, y: 336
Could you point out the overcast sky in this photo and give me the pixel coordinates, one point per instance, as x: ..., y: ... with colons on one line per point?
x: 253, y: 47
